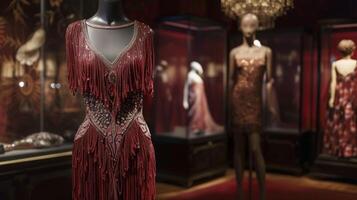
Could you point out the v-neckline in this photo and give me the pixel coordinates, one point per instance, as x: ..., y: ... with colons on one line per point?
x: 99, y: 54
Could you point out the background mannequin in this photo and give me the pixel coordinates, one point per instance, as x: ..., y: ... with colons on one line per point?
x: 344, y: 66
x: 109, y: 30
x: 249, y: 63
x: 200, y: 120
x: 340, y: 132
x: 194, y: 75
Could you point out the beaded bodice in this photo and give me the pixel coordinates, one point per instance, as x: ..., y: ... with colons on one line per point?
x: 103, y: 119
x: 249, y: 74
x: 112, y: 91
x: 113, y: 126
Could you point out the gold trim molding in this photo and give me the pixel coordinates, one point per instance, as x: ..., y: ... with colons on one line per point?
x: 36, y: 158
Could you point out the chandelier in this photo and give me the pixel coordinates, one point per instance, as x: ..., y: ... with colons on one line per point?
x: 266, y: 10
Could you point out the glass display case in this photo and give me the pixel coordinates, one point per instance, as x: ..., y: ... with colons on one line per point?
x: 336, y: 139
x: 189, y: 95
x: 33, y: 79
x: 176, y: 49
x: 38, y: 115
x: 292, y: 70
x: 285, y: 134
x: 288, y: 135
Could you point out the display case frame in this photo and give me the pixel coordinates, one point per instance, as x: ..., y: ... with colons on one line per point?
x: 195, y: 157
x: 287, y: 149
x: 328, y: 166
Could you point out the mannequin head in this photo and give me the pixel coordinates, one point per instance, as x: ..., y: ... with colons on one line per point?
x: 197, y: 67
x: 346, y: 47
x: 249, y: 24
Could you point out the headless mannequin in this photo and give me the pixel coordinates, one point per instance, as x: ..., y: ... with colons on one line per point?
x: 344, y: 66
x: 109, y: 30
x: 193, y: 76
x: 250, y: 50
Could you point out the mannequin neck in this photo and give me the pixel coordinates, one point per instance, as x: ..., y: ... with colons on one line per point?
x: 111, y: 12
x: 249, y: 41
x: 348, y: 57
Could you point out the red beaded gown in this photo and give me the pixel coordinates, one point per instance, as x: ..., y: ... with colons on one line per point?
x: 113, y: 156
x: 340, y: 138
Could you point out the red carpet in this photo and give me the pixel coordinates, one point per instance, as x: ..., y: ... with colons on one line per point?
x: 276, y: 190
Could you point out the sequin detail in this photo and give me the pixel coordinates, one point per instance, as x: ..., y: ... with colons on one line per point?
x: 131, y: 106
x: 97, y: 112
x: 108, y: 123
x: 247, y: 94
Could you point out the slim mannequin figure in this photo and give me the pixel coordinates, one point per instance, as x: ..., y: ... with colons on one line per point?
x: 340, y: 131
x: 249, y: 63
x: 345, y: 65
x: 109, y: 30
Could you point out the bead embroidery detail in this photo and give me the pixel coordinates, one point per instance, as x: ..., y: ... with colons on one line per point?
x: 82, y: 129
x: 131, y: 106
x: 99, y: 115
x: 114, y: 128
x: 143, y: 125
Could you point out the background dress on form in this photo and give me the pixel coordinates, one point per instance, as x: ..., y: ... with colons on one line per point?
x: 199, y: 115
x: 113, y: 156
x: 340, y: 137
x: 247, y: 95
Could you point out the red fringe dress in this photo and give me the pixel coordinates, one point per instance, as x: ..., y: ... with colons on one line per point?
x: 113, y: 156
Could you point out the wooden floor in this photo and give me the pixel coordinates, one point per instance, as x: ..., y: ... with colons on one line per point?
x: 166, y: 190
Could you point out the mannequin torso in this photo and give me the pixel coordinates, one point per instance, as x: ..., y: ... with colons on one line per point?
x: 247, y: 57
x: 247, y: 53
x: 193, y: 77
x: 109, y: 41
x: 345, y: 66
x: 109, y: 31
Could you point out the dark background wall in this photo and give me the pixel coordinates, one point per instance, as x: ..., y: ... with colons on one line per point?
x: 306, y: 13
